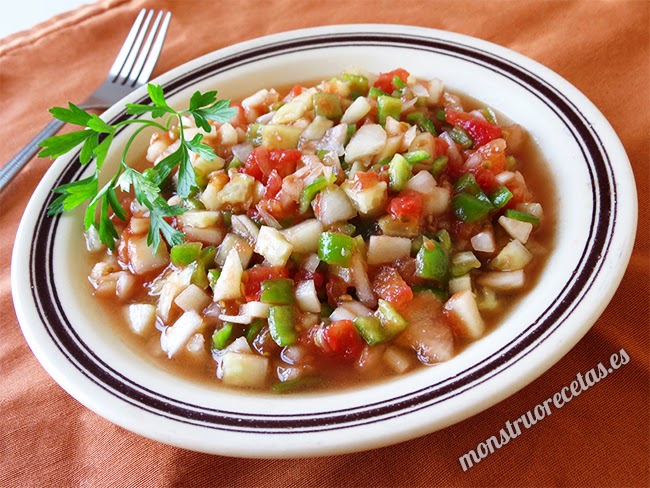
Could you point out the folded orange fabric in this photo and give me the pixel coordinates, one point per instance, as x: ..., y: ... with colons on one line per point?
x: 600, y: 439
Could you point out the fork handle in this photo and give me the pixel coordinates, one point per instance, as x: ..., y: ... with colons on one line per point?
x: 16, y: 163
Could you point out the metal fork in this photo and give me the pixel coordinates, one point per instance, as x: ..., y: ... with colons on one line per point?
x: 131, y: 69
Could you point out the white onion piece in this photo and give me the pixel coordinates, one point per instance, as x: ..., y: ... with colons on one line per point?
x: 304, y: 236
x: 142, y: 258
x: 248, y: 370
x: 356, y: 111
x: 504, y: 177
x: 385, y: 249
x: 398, y: 359
x: 306, y: 297
x: 361, y: 281
x: 334, y: 140
x: 516, y: 228
x: 268, y: 219
x: 483, y: 241
x: 334, y: 206
x: 452, y: 151
x: 462, y: 306
x: 255, y: 309
x: 350, y: 311
x: 228, y: 286
x: 245, y: 227
x: 273, y: 246
x: 242, y: 151
x: 93, y: 241
x: 534, y: 209
x: 176, y: 336
x: 512, y: 257
x: 317, y: 128
x: 311, y: 262
x: 409, y: 137
x: 236, y: 319
x: 142, y: 317
x: 419, y: 90
x: 503, y: 280
x: 408, y: 104
x: 460, y: 283
x: 435, y: 90
x: 192, y: 298
x: 367, y: 141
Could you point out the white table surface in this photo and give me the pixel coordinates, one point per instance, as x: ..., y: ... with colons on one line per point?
x: 20, y: 15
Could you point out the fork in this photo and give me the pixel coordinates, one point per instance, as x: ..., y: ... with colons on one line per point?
x: 131, y: 69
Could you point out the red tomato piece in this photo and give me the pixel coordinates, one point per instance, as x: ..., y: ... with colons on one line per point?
x: 385, y: 80
x: 317, y: 276
x: 408, y: 204
x: 480, y: 130
x: 273, y: 185
x: 364, y: 180
x: 262, y: 273
x: 335, y: 288
x: 486, y: 179
x: 390, y: 286
x: 295, y: 91
x: 341, y: 338
x: 262, y: 161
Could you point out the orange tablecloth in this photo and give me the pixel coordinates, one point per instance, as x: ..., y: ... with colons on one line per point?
x: 599, y: 439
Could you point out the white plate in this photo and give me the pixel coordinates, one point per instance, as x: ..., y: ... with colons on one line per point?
x: 596, y: 222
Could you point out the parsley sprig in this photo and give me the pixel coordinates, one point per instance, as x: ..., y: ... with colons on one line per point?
x: 96, y: 136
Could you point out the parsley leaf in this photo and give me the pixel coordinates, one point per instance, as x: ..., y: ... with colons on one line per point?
x: 96, y: 137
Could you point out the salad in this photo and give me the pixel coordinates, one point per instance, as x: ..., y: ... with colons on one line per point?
x: 341, y: 232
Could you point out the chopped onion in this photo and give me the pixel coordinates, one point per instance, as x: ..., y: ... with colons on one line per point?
x: 176, y: 336
x: 273, y: 246
x: 483, y: 241
x: 142, y: 317
x: 242, y: 151
x: 236, y: 319
x: 534, y: 209
x: 398, y: 359
x: 233, y: 241
x: 350, y: 311
x: 409, y: 104
x: 304, y: 236
x: 334, y: 206
x: 356, y: 111
x: 334, y: 140
x: 228, y: 286
x: 255, y: 309
x: 516, y: 228
x: 385, y: 249
x: 504, y: 177
x: 245, y: 227
x: 192, y: 298
x: 269, y: 219
x: 512, y: 257
x: 306, y: 297
x: 503, y: 280
x: 419, y: 90
x: 249, y: 370
x: 361, y: 281
x: 435, y: 90
x: 452, y: 150
x: 468, y: 322
x: 142, y: 258
x: 93, y: 241
x: 367, y: 141
x: 317, y: 129
x: 460, y: 283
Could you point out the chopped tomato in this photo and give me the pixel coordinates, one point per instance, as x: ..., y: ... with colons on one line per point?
x: 480, y: 130
x: 385, y: 80
x: 363, y: 180
x: 257, y: 275
x: 408, y: 204
x: 341, y: 338
x: 317, y: 276
x: 295, y: 91
x: 273, y: 185
x: 262, y: 161
x: 486, y: 179
x: 390, y: 286
x: 335, y: 288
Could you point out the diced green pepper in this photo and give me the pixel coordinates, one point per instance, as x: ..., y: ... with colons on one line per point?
x: 213, y: 276
x: 432, y: 262
x: 398, y: 83
x: 234, y: 163
x: 221, y: 337
x: 522, y: 216
x: 395, y: 227
x: 440, y: 115
x: 443, y: 237
x: 253, y: 329
x: 302, y: 383
x: 282, y: 319
x: 334, y: 248
x: 254, y: 134
x: 467, y: 184
x: 327, y: 105
x: 203, y: 263
x: 375, y: 92
x: 399, y: 172
x: 443, y: 295
x: 489, y: 115
x: 439, y: 166
x: 469, y: 208
x: 309, y: 192
x: 370, y: 329
x: 388, y: 106
x: 351, y: 130
x: 417, y: 156
x: 461, y: 137
x: 326, y: 310
x: 358, y: 83
x: 278, y: 291
x: 500, y: 197
x: 422, y: 121
x: 194, y: 203
x: 463, y: 262
x: 185, y: 254
x: 392, y: 322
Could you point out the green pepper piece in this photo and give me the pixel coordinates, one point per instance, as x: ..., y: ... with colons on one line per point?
x: 185, y: 254
x: 469, y: 208
x: 417, y: 156
x: 370, y: 329
x: 253, y: 329
x: 375, y: 92
x: 326, y: 310
x: 432, y: 262
x: 443, y: 237
x: 358, y: 83
x: 234, y: 163
x: 522, y: 216
x: 467, y: 184
x: 308, y: 193
x: 399, y: 172
x: 500, y: 197
x: 334, y: 248
x: 204, y: 262
x: 489, y: 115
x: 462, y: 263
x: 327, y: 105
x: 392, y: 322
x: 398, y: 83
x: 388, y: 106
x: 351, y: 130
x: 440, y: 115
x: 278, y: 291
x: 254, y: 134
x: 213, y: 276
x: 443, y: 295
x: 422, y: 121
x: 282, y: 319
x: 461, y: 137
x: 439, y: 166
x: 220, y: 337
x: 297, y: 384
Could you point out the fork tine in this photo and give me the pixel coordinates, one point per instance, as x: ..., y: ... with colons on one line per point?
x: 154, y: 53
x: 144, y: 52
x: 128, y: 64
x: 126, y: 47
